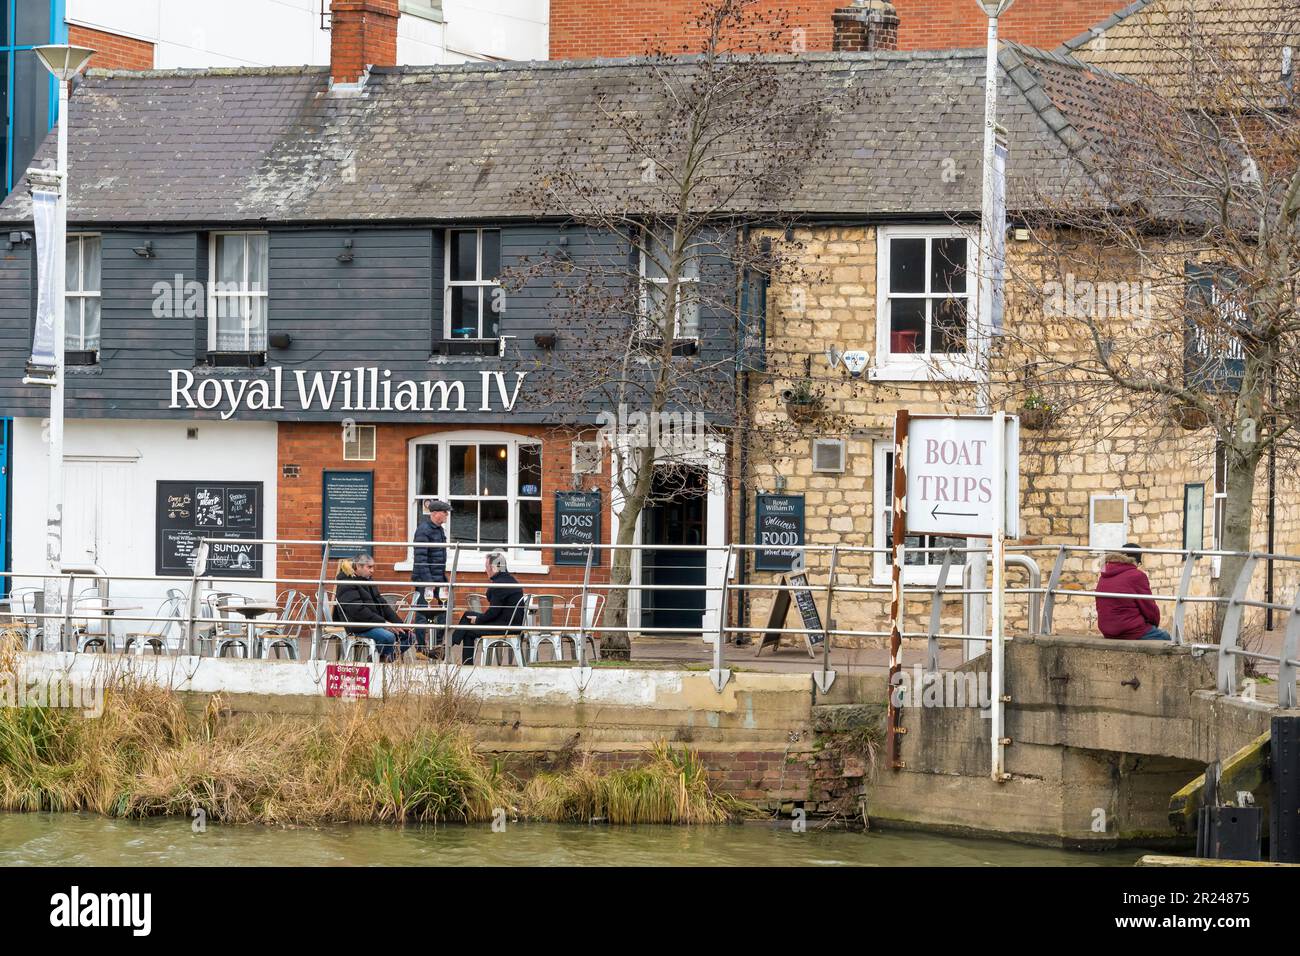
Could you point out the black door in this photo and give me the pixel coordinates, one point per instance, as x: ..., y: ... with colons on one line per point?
x: 676, y: 516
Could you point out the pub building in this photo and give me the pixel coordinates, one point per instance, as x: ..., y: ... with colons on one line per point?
x: 284, y: 321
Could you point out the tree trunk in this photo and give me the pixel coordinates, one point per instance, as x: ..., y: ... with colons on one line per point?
x: 1238, y: 523
x: 618, y: 645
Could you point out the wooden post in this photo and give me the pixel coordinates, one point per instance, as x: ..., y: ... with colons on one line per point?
x: 896, y: 610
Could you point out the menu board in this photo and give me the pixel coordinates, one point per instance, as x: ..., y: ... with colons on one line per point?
x: 577, y: 521
x: 778, y: 528
x: 348, y: 510
x: 190, y: 510
x: 809, y: 613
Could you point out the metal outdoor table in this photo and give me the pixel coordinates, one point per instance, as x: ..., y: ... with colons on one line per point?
x: 251, y: 611
x: 107, y: 608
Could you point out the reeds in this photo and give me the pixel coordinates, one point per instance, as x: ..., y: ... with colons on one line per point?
x: 410, y: 758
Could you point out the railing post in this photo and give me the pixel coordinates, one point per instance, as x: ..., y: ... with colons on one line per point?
x: 720, y: 674
x: 1232, y: 627
x: 1286, y: 696
x: 1180, y: 601
x: 936, y: 613
x: 318, y: 626
x: 65, y: 635
x: 827, y: 676
x: 580, y: 644
x: 1049, y: 599
x: 196, y: 570
x: 450, y: 604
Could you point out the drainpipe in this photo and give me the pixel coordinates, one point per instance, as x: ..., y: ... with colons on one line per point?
x: 742, y: 557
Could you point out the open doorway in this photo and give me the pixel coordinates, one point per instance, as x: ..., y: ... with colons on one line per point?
x: 676, y: 515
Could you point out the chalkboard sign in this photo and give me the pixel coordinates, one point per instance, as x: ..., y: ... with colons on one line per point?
x: 189, y: 510
x: 808, y: 612
x: 778, y: 527
x: 347, y: 510
x: 577, y: 521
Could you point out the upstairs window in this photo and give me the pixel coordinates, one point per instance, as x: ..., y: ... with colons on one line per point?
x: 656, y: 258
x: 473, y: 300
x: 82, y: 301
x: 927, y: 286
x: 237, y: 296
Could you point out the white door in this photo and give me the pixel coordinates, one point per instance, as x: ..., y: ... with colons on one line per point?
x: 97, y: 512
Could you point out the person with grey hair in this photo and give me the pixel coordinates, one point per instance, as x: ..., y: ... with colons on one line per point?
x: 504, y: 596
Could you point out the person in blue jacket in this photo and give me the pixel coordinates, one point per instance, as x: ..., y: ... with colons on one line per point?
x: 429, y: 569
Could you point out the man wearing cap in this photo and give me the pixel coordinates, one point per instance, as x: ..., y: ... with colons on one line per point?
x: 429, y: 570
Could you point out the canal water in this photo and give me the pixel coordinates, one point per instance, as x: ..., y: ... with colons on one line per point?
x: 87, y: 840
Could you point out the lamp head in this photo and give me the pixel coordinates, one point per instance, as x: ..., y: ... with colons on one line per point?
x: 995, y: 8
x: 63, y: 60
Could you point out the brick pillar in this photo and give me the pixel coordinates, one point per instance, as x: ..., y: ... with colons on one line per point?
x: 362, y: 33
x: 867, y: 25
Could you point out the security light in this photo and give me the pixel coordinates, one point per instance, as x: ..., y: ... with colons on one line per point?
x: 995, y: 8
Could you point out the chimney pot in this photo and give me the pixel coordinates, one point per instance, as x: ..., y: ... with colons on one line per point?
x: 363, y: 33
x: 867, y: 25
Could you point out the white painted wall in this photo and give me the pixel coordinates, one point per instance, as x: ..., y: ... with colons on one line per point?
x: 109, y: 494
x: 201, y: 33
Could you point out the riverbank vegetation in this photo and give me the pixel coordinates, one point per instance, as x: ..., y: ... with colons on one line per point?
x: 408, y: 758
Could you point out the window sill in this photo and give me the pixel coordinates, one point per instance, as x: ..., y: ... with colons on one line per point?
x: 896, y: 369
x: 481, y: 347
x: 237, y: 359
x: 680, y: 346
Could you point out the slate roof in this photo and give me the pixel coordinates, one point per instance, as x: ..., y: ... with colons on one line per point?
x: 448, y: 143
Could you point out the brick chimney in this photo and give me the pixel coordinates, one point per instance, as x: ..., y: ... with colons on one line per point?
x: 867, y: 25
x: 362, y: 33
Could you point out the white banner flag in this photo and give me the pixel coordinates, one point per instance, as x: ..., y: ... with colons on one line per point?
x: 45, y: 206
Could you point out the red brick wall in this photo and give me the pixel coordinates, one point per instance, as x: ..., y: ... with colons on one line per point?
x: 310, y: 448
x: 591, y: 28
x: 112, y: 52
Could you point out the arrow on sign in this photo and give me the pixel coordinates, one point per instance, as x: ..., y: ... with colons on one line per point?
x: 935, y: 512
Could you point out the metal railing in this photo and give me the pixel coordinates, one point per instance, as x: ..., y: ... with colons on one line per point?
x: 830, y: 569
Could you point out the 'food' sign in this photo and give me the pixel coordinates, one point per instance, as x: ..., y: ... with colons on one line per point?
x: 954, y: 481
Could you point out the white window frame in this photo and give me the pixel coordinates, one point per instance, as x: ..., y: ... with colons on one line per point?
x: 527, y: 559
x: 882, y: 562
x: 217, y: 292
x: 689, y: 280
x: 478, y: 282
x: 357, y: 431
x: 81, y: 295
x: 922, y: 366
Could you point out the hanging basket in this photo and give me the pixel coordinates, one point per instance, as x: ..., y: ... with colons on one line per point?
x: 1189, y: 417
x: 803, y: 412
x: 1036, y: 419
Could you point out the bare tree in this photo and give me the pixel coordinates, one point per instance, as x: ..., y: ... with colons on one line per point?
x: 657, y: 277
x: 1172, y: 283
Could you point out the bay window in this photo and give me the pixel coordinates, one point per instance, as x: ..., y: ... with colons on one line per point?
x: 926, y: 278
x: 493, y: 482
x: 237, y: 294
x: 82, y: 300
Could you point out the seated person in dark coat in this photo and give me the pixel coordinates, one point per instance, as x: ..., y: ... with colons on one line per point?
x: 359, y: 605
x: 503, y: 610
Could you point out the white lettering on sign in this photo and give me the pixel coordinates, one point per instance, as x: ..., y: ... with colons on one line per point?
x: 953, y: 480
x: 363, y: 389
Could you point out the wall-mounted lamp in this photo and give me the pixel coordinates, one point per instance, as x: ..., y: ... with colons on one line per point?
x: 780, y: 484
x: 145, y: 251
x: 544, y: 340
x: 280, y: 340
x: 19, y: 239
x: 346, y: 254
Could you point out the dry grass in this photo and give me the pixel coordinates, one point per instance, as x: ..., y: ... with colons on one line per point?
x: 409, y: 758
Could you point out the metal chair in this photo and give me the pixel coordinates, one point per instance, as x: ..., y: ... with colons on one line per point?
x: 84, y: 630
x: 587, y: 622
x: 24, y: 605
x: 546, y: 606
x: 169, y: 613
x: 227, y: 636
x: 491, y: 645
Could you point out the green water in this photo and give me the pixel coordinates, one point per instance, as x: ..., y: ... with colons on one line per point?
x: 86, y: 840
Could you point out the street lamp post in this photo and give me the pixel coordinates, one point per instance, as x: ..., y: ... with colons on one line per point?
x: 64, y: 63
x: 993, y: 9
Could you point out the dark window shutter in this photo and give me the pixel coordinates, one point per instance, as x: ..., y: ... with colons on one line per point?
x: 201, y: 356
x: 439, y: 344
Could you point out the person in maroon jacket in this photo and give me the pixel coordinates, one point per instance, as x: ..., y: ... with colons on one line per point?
x: 1127, y: 619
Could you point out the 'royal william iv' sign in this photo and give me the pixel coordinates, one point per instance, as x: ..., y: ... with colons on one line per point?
x: 778, y: 530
